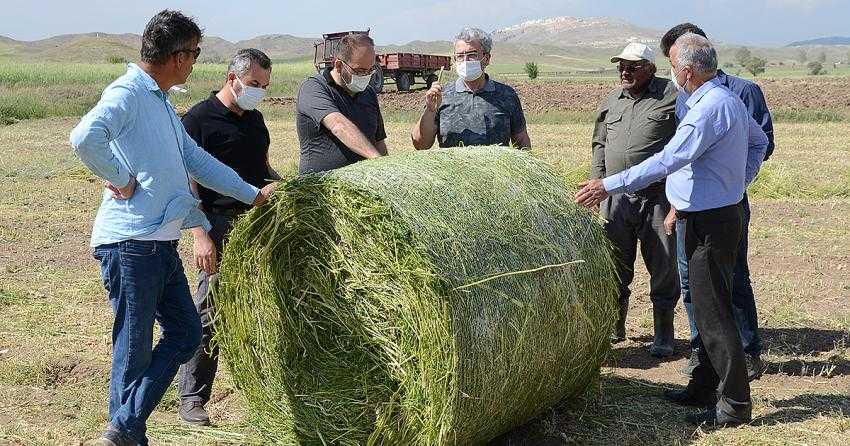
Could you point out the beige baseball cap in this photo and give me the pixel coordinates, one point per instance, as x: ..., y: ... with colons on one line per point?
x: 634, y: 52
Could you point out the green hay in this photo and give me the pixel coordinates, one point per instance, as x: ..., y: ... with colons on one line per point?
x: 429, y: 298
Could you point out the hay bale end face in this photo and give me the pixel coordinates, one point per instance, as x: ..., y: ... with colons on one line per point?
x: 428, y: 298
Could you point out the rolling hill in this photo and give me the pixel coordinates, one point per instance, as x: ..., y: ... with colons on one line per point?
x: 596, y: 32
x: 822, y: 41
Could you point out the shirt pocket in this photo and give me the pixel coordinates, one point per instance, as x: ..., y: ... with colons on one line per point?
x: 613, y: 124
x: 659, y: 126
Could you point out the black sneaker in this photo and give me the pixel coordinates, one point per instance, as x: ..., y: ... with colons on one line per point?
x: 755, y: 367
x: 693, y: 362
x: 713, y: 418
x: 687, y: 397
x: 193, y: 412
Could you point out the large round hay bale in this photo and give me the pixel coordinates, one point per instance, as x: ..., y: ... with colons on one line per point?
x: 430, y: 298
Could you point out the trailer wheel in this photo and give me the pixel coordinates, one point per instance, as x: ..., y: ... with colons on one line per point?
x: 402, y: 81
x: 377, y: 82
x: 430, y: 79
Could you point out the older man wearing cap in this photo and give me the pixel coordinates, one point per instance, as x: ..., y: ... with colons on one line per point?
x: 634, y: 122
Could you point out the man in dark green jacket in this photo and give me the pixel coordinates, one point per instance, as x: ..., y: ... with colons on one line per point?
x: 634, y: 122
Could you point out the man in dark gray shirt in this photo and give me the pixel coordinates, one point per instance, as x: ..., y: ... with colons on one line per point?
x: 635, y: 122
x: 338, y: 118
x: 475, y: 110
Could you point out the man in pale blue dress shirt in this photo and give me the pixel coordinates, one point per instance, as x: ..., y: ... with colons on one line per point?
x: 134, y: 141
x: 715, y: 153
x: 743, y: 298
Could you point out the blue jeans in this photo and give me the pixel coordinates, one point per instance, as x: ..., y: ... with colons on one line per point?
x: 146, y: 284
x: 743, y: 299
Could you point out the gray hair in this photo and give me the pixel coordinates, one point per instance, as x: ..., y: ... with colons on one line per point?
x: 470, y: 35
x: 244, y: 59
x: 697, y: 52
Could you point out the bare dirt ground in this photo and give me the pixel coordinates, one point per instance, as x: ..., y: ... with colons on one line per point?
x: 585, y: 95
x: 55, y: 321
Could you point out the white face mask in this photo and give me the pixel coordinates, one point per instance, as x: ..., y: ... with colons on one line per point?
x: 249, y: 97
x: 359, y: 83
x: 681, y: 88
x: 469, y: 70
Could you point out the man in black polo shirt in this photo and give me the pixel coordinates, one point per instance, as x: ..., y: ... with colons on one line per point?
x: 338, y: 118
x: 228, y: 127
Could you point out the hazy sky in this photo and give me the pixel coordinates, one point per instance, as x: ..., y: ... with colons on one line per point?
x: 752, y: 22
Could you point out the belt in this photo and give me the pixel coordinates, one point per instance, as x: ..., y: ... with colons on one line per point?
x: 682, y: 215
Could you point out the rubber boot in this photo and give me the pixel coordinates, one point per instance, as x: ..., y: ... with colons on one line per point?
x: 662, y: 345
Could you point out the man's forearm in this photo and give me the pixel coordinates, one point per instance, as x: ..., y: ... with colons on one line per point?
x: 425, y: 131
x: 522, y: 140
x: 353, y: 138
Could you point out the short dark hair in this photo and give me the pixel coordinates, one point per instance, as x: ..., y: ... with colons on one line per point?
x: 167, y: 32
x: 677, y: 31
x: 246, y: 58
x: 355, y: 40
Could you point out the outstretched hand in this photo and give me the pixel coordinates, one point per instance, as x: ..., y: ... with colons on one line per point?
x: 592, y: 193
x: 264, y: 194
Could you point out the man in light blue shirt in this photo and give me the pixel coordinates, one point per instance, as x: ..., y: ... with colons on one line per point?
x: 743, y: 298
x: 715, y: 153
x: 135, y: 142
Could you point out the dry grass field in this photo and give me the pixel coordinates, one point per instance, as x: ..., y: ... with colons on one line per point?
x: 55, y: 320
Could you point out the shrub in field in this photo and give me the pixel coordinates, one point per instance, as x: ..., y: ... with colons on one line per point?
x: 427, y: 298
x: 755, y: 66
x: 815, y: 68
x: 531, y: 69
x: 116, y: 59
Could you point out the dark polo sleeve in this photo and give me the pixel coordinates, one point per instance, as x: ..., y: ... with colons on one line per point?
x: 380, y: 132
x: 315, y: 101
x: 518, y: 124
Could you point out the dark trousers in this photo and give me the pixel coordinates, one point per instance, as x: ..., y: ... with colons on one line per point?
x: 146, y: 285
x: 743, y: 299
x: 633, y: 217
x: 197, y: 375
x: 711, y: 245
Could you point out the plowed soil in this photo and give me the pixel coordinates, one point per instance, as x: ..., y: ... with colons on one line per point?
x: 585, y: 96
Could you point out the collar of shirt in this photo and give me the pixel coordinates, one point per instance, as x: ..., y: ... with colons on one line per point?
x: 326, y: 74
x: 722, y: 77
x: 701, y: 91
x: 144, y: 78
x: 489, y: 86
x: 223, y: 110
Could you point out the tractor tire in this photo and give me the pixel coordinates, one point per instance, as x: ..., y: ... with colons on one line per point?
x: 402, y: 81
x: 377, y: 82
x: 429, y: 80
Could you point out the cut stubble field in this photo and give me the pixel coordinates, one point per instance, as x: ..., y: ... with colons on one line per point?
x: 55, y: 321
